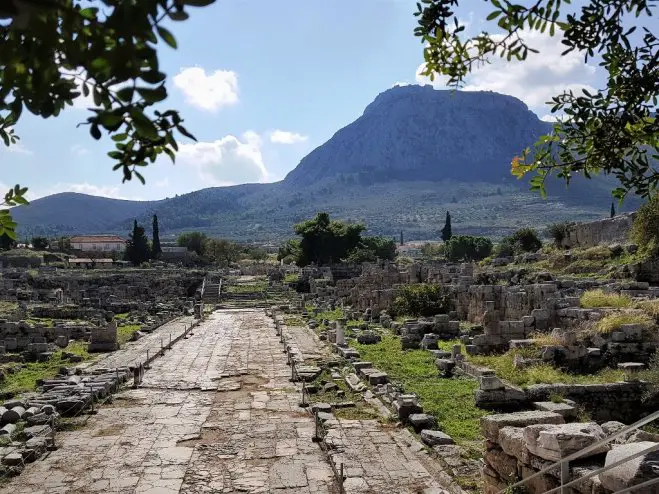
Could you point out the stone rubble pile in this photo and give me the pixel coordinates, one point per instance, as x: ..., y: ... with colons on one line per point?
x: 519, y: 445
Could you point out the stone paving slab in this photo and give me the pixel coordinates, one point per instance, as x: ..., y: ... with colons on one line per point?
x: 134, y: 352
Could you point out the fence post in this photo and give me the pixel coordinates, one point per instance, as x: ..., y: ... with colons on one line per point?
x: 565, y: 476
x: 341, y: 478
x: 162, y: 348
x: 316, y: 438
x: 147, y: 366
x: 170, y: 341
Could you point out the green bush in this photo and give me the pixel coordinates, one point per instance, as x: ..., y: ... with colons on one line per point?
x: 558, y: 232
x: 422, y: 299
x: 468, y: 248
x: 523, y: 240
x: 645, y: 229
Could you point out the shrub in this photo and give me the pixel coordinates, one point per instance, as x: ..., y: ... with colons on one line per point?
x: 422, y: 299
x: 612, y: 322
x: 558, y: 232
x: 523, y: 240
x: 645, y: 229
x: 650, y: 307
x: 505, y: 249
x: 593, y: 299
x: 468, y: 248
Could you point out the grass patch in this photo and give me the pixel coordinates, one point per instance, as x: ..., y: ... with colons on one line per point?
x: 650, y: 307
x: 546, y: 339
x: 45, y: 321
x: 541, y: 374
x: 593, y: 299
x: 291, y: 278
x: 450, y: 400
x: 293, y: 321
x: 330, y: 315
x: 7, y: 306
x: 612, y: 322
x: 121, y: 316
x: 26, y: 378
x: 124, y: 333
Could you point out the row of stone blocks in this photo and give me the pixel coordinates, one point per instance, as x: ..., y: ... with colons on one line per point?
x: 520, y: 445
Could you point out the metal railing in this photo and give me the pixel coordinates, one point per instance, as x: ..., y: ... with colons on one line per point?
x: 564, y: 464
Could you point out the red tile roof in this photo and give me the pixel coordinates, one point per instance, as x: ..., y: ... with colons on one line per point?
x: 90, y: 239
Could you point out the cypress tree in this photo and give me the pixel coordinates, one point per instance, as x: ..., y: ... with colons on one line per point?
x: 446, y: 231
x: 401, y: 237
x: 156, y: 250
x: 137, y: 246
x: 613, y: 210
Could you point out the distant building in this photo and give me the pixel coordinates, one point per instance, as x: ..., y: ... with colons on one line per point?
x: 98, y: 243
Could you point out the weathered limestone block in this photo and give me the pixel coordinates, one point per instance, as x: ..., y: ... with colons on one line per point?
x: 420, y: 421
x: 491, y: 424
x: 505, y: 465
x: 511, y: 441
x: 634, y: 471
x: 104, y: 339
x: 435, y: 438
x: 554, y: 442
x: 567, y: 411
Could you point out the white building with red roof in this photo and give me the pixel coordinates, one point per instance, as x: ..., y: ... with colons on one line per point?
x: 98, y: 243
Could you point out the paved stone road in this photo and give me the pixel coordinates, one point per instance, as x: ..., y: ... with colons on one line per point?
x: 217, y: 414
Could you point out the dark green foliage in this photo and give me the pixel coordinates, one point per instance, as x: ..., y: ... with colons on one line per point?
x: 6, y: 242
x: 156, y: 250
x: 611, y: 131
x: 468, y: 248
x: 289, y: 251
x: 255, y: 253
x: 613, y: 210
x: 558, y: 232
x: 523, y: 240
x: 193, y: 241
x: 433, y: 251
x: 39, y: 243
x: 15, y: 196
x: 446, y: 231
x: 324, y: 241
x: 371, y: 249
x: 137, y: 246
x: 421, y: 299
x: 645, y: 230
x: 401, y: 238
x: 221, y: 252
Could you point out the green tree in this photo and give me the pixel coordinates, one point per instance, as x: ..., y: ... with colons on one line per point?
x: 324, y: 240
x: 40, y: 243
x: 370, y: 249
x: 193, y: 241
x: 6, y: 242
x: 221, y: 252
x: 446, y: 231
x: 56, y: 51
x: 421, y: 299
x: 559, y: 232
x: 613, y: 130
x: 156, y: 250
x: 63, y: 243
x: 289, y: 251
x: 137, y: 246
x: 523, y: 240
x: 613, y: 210
x: 401, y: 238
x: 468, y: 248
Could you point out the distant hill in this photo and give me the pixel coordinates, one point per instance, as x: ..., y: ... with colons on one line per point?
x: 70, y: 212
x: 415, y: 153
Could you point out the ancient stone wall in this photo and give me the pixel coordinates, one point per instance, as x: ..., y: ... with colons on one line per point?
x: 600, y: 232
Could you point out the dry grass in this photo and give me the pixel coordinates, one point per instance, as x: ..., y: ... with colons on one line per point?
x: 593, y: 299
x: 546, y: 339
x: 612, y: 322
x: 650, y: 307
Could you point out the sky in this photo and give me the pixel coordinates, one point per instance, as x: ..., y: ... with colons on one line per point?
x: 262, y: 83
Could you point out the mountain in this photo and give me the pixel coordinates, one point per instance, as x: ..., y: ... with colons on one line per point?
x: 419, y: 133
x: 415, y: 153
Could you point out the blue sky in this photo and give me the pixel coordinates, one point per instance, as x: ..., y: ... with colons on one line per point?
x: 261, y: 84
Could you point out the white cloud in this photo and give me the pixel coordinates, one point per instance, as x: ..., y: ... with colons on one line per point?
x: 535, y: 80
x: 79, y: 150
x: 285, y: 137
x: 226, y: 161
x: 400, y: 84
x: 208, y: 92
